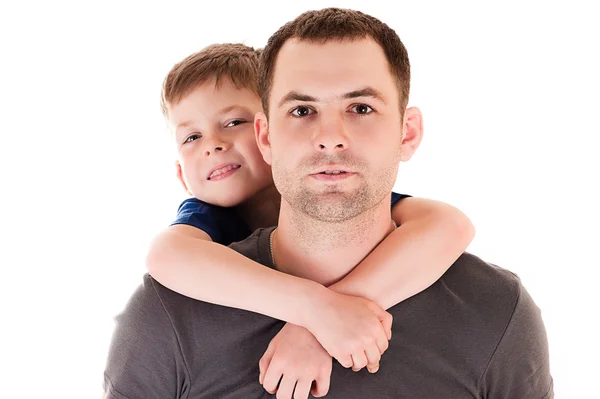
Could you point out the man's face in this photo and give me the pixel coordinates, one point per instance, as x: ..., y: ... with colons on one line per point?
x: 219, y: 161
x: 335, y: 127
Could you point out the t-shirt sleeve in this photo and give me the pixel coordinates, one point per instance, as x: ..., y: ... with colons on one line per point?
x: 144, y: 359
x: 223, y: 225
x: 520, y: 367
x: 397, y: 197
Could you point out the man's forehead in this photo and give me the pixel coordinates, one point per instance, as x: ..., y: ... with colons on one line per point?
x: 342, y: 66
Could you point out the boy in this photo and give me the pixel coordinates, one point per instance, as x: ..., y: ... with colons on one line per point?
x: 210, y: 99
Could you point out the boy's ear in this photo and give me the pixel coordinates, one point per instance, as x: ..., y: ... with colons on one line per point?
x: 180, y: 177
x: 263, y: 140
x: 412, y: 133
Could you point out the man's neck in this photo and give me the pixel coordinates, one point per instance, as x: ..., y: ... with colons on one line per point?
x: 262, y: 209
x: 326, y: 252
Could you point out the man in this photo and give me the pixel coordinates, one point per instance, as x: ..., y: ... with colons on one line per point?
x: 334, y: 87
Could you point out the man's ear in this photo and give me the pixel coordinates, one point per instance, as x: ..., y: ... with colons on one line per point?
x: 263, y: 140
x: 180, y: 177
x: 412, y: 132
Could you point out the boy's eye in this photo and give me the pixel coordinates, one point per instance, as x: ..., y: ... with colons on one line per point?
x: 301, y: 111
x: 191, y: 138
x: 235, y: 122
x: 362, y: 109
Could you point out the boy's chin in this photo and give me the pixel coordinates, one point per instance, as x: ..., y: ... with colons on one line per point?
x: 228, y: 202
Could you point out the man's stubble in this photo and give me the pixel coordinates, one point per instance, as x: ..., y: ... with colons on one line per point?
x: 334, y: 216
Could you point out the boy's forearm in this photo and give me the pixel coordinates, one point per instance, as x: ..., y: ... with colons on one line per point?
x: 213, y: 273
x: 409, y: 260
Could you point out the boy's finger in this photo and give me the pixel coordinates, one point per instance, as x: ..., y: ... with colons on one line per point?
x: 373, y: 368
x: 382, y: 344
x: 384, y: 317
x: 345, y: 361
x: 359, y: 361
x: 264, y: 363
x: 320, y: 386
x: 373, y: 357
x: 302, y: 389
x: 387, y: 321
x: 271, y: 379
x: 286, y: 388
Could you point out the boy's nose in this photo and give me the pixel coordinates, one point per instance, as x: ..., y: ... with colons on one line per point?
x: 216, y: 149
x: 214, y: 146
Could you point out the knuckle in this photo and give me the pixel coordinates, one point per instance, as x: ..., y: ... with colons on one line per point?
x: 385, y: 345
x: 376, y: 357
x: 269, y: 390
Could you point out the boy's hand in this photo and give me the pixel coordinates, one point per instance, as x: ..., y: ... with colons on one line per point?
x: 353, y: 330
x: 296, y: 358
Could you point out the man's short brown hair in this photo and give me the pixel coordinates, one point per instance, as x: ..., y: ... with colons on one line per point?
x: 234, y: 61
x: 335, y: 24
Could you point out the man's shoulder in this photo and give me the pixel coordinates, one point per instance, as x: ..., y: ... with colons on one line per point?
x: 255, y: 246
x: 508, y: 317
x: 471, y: 274
x: 474, y: 299
x: 485, y: 294
x: 488, y: 289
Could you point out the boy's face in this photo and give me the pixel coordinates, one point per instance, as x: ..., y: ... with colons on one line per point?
x: 219, y: 161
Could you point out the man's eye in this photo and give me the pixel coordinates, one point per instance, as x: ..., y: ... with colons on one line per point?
x: 192, y: 138
x: 301, y: 111
x: 362, y: 109
x: 235, y: 123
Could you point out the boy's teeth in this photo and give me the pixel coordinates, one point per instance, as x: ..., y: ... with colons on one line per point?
x: 333, y: 172
x: 222, y: 170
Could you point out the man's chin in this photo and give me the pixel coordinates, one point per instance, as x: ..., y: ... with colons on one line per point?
x: 331, y: 205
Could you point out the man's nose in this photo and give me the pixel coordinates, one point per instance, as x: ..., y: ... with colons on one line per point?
x: 331, y: 135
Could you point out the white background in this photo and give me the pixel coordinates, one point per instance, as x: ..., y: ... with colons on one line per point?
x: 510, y: 100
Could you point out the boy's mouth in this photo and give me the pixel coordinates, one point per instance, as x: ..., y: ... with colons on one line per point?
x: 222, y: 171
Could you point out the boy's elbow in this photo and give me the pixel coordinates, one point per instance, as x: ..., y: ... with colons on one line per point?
x: 156, y: 256
x: 464, y: 228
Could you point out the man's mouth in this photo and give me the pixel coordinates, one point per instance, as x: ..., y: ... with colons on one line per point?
x: 332, y: 172
x: 222, y: 171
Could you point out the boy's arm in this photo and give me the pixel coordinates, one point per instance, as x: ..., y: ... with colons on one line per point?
x: 430, y: 237
x: 184, y: 259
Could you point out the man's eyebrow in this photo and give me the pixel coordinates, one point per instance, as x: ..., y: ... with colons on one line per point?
x: 365, y: 92
x: 295, y: 96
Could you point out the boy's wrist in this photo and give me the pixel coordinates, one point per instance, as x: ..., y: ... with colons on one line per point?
x: 313, y: 296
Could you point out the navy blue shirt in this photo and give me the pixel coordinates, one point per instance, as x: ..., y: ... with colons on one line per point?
x: 223, y: 225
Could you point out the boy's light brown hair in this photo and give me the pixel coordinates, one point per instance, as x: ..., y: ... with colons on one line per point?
x: 234, y: 61
x: 335, y: 24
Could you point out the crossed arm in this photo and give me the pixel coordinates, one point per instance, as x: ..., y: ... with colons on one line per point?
x: 348, y: 318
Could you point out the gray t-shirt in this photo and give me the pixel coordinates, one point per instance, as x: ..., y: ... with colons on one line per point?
x: 475, y: 333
